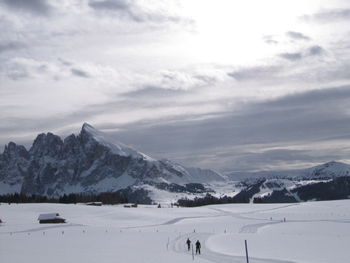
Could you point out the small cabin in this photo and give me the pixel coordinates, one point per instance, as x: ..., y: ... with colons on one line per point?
x: 51, y: 218
x: 132, y: 205
x: 94, y: 203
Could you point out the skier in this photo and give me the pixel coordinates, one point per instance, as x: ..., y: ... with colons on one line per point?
x: 188, y: 242
x: 198, y: 247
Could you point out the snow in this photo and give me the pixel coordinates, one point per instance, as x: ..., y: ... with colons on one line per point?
x: 330, y: 169
x: 115, y: 146
x: 313, y: 232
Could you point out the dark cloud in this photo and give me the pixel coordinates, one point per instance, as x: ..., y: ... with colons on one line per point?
x: 297, y: 35
x: 130, y: 9
x: 65, y: 62
x: 315, y: 51
x: 37, y: 7
x: 122, y: 7
x: 80, y: 73
x: 111, y: 5
x: 291, y: 56
x: 255, y: 73
x: 10, y: 46
x: 329, y: 15
x: 309, y: 52
x: 152, y: 92
x: 303, y: 118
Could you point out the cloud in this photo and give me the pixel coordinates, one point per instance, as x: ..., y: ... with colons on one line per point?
x: 312, y: 51
x: 255, y: 73
x: 10, y: 46
x: 36, y: 7
x: 18, y: 68
x: 297, y: 35
x: 132, y: 10
x: 270, y: 40
x: 275, y: 133
x: 153, y: 92
x: 110, y: 5
x: 315, y: 51
x: 287, y: 130
x: 329, y: 15
x: 291, y: 56
x: 80, y: 73
x: 123, y: 7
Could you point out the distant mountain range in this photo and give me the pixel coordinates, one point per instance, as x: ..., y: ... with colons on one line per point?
x: 327, y: 170
x: 328, y: 181
x: 90, y: 162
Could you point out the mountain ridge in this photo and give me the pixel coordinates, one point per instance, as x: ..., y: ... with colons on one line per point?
x: 325, y: 170
x: 90, y: 162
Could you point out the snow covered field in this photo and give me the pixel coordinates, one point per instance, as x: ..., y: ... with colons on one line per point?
x: 313, y: 232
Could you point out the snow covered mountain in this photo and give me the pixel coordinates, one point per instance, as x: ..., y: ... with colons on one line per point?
x: 329, y: 181
x: 326, y: 170
x: 90, y: 162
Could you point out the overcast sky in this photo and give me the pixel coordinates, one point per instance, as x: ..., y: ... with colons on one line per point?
x: 232, y: 85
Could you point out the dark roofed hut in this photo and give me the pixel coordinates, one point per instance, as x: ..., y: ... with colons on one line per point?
x: 94, y: 203
x: 51, y: 218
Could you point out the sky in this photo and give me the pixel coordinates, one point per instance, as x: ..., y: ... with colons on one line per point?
x: 242, y: 85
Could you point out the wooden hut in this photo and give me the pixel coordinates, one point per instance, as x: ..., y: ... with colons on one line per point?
x: 94, y: 203
x: 51, y: 218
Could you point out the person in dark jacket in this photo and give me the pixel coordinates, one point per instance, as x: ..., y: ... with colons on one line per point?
x: 188, y: 242
x: 198, y: 247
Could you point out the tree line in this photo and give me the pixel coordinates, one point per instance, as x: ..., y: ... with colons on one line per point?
x: 105, y: 198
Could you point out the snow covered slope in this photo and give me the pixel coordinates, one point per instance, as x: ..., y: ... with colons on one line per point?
x: 117, y: 148
x: 91, y: 162
x: 327, y: 170
x: 313, y: 232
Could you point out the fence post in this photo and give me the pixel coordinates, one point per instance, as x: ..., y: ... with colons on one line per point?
x: 192, y: 253
x: 246, y: 250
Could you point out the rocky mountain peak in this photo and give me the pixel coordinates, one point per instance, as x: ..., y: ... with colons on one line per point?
x: 90, y: 136
x: 87, y: 126
x: 91, y: 162
x: 12, y: 150
x: 46, y: 144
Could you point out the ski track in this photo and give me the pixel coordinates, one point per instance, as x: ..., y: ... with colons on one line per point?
x: 176, y: 220
x: 253, y: 228
x: 178, y: 245
x: 222, y: 213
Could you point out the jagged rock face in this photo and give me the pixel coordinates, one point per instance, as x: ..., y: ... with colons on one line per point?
x: 13, y: 164
x: 46, y: 145
x: 83, y: 163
